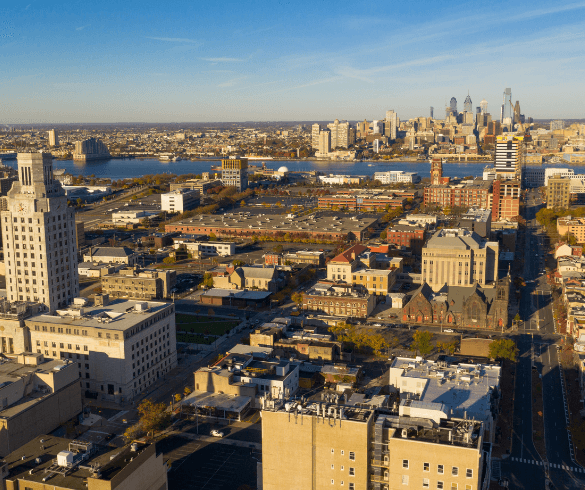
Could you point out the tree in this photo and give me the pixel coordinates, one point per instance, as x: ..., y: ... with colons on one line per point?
x: 208, y: 280
x: 187, y: 391
x: 153, y: 416
x: 169, y: 260
x: 297, y: 298
x: 447, y: 347
x: 212, y: 237
x: 242, y: 203
x: 278, y: 248
x: 178, y: 397
x: 503, y: 349
x: 421, y: 342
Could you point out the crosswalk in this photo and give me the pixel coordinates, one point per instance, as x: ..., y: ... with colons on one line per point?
x: 551, y: 465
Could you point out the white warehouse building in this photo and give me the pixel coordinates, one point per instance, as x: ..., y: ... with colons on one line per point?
x: 179, y: 200
x: 397, y: 176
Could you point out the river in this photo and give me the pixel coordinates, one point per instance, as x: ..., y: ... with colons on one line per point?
x: 116, y: 169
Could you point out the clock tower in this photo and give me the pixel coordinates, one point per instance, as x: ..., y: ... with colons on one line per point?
x: 40, y: 252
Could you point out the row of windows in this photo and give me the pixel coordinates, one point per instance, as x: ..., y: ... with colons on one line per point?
x: 440, y: 469
x: 440, y: 484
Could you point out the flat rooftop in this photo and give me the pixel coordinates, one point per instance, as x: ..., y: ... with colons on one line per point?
x: 464, y: 388
x: 310, y: 223
x: 23, y: 460
x: 119, y: 314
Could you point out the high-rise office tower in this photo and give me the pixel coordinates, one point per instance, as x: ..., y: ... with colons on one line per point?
x: 467, y: 104
x: 315, y: 129
x: 509, y: 157
x: 478, y: 110
x: 453, y: 105
x: 483, y: 106
x: 507, y: 107
x: 432, y: 110
x: 53, y: 138
x: 392, y: 123
x: 40, y: 253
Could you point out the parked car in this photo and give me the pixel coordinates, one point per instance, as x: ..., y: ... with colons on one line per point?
x: 216, y: 433
x: 448, y: 330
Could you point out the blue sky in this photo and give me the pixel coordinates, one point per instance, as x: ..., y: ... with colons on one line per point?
x: 87, y: 61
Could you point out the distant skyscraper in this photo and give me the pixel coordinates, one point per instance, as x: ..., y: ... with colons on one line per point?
x: 507, y: 105
x: 453, y: 105
x: 432, y: 110
x: 53, y: 138
x: 315, y: 129
x: 478, y: 110
x: 392, y: 123
x: 517, y: 115
x: 325, y: 142
x: 467, y: 105
x: 558, y: 124
x: 339, y: 134
x: 43, y: 270
x: 483, y: 105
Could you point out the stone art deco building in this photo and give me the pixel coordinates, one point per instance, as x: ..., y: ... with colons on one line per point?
x: 39, y: 236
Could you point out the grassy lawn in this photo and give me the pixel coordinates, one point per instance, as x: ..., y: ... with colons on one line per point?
x: 202, y: 324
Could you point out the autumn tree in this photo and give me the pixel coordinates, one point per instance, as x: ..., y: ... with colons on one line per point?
x: 297, y: 298
x: 153, y: 416
x: 421, y: 342
x: 503, y: 349
x: 208, y: 280
x: 447, y: 347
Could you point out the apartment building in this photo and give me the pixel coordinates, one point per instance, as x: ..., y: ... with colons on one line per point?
x: 573, y: 226
x: 504, y: 200
x: 179, y: 200
x: 509, y: 157
x: 362, y: 202
x: 324, y: 445
x: 120, y: 347
x: 338, y: 299
x: 558, y: 192
x: 459, y: 257
x: 473, y: 193
x: 356, y: 266
x: 308, y: 257
x: 340, y: 134
x: 410, y: 236
x: 136, y: 283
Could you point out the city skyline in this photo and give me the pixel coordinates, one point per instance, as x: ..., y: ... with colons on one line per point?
x: 83, y: 63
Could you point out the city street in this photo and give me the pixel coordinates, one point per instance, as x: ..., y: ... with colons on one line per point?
x: 537, y: 344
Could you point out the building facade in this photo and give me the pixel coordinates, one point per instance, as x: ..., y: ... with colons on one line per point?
x: 338, y: 299
x: 91, y: 149
x: 234, y: 173
x: 558, y: 192
x: 458, y: 257
x: 120, y: 347
x: 40, y: 245
x: 408, y: 236
x: 397, y: 176
x: 339, y: 134
x: 509, y: 157
x: 134, y: 283
x: 179, y: 200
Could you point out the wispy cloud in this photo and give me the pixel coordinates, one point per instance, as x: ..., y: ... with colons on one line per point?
x: 232, y: 82
x: 173, y: 39
x: 82, y: 27
x: 27, y: 7
x: 223, y: 60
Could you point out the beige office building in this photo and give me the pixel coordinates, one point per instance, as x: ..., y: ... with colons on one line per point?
x: 558, y: 192
x: 120, y: 347
x: 459, y: 257
x: 136, y: 283
x: 234, y: 173
x: 53, y: 138
x: 39, y: 234
x: 328, y: 446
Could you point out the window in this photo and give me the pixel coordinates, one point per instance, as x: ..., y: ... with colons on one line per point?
x: 351, y: 456
x: 405, y: 463
x: 332, y: 466
x: 453, y: 486
x: 352, y: 472
x: 332, y: 482
x: 469, y: 473
x: 440, y: 485
x: 455, y: 471
x: 342, y: 452
x: 405, y: 479
x: 426, y: 467
x: 332, y: 451
x: 426, y: 483
x: 468, y: 487
x: 352, y: 486
x: 440, y: 469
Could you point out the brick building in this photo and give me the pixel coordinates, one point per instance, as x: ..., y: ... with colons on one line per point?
x: 412, y: 237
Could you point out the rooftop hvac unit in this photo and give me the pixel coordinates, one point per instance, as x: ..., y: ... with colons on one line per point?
x: 404, y: 433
